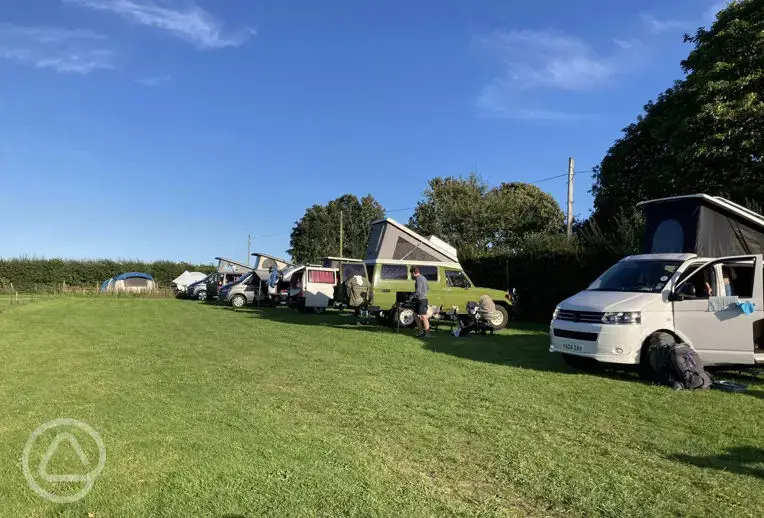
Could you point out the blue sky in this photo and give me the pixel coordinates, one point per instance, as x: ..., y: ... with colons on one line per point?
x: 170, y: 129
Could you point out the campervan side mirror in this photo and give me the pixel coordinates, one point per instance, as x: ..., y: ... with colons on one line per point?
x: 686, y: 290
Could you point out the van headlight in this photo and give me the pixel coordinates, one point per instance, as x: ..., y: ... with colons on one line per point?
x: 622, y: 317
x: 555, y: 313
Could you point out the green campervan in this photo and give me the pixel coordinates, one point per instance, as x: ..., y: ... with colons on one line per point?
x: 393, y: 249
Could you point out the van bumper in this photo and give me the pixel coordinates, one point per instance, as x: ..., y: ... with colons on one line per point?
x: 605, y: 343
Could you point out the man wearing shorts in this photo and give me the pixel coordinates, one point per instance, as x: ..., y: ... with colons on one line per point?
x: 420, y: 299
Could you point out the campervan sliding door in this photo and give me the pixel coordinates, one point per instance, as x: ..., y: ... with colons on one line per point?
x: 712, y: 322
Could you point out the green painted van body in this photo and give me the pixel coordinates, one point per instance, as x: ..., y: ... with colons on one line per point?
x: 449, y: 285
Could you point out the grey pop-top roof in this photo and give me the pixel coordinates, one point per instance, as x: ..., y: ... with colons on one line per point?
x: 226, y: 265
x: 394, y: 241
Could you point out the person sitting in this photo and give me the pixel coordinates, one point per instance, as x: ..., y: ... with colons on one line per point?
x: 486, y: 309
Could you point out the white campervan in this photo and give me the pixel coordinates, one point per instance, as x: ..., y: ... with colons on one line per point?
x: 700, y: 284
x: 310, y: 287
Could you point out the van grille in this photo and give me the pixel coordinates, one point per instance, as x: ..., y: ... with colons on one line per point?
x: 575, y: 335
x: 592, y: 317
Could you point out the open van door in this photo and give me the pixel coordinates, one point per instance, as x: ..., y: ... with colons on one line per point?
x: 706, y: 315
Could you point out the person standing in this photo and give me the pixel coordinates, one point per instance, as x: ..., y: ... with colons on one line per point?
x: 420, y: 299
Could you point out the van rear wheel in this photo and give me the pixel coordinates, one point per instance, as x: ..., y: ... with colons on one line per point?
x: 202, y: 295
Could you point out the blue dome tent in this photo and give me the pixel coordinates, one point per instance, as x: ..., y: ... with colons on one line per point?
x: 130, y: 281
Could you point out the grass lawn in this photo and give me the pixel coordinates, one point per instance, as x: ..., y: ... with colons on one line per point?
x: 206, y: 411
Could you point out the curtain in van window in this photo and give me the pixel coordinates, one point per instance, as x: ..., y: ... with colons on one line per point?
x: 321, y: 276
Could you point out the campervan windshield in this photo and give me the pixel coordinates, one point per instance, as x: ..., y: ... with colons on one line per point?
x: 643, y: 276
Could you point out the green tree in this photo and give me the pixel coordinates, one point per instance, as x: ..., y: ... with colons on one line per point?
x: 477, y: 219
x: 706, y: 132
x: 317, y: 233
x: 453, y: 210
x: 519, y: 211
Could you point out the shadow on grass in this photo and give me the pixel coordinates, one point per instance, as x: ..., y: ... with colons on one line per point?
x: 523, y: 345
x: 740, y: 460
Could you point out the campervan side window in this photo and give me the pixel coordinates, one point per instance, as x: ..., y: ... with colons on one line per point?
x: 704, y: 282
x: 351, y: 269
x: 456, y: 279
x: 429, y: 272
x: 668, y: 237
x: 738, y: 280
x: 394, y: 272
x: 321, y: 276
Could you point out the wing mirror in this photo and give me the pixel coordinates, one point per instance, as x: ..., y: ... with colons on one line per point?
x: 685, y: 291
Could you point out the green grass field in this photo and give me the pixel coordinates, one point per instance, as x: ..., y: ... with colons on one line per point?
x: 206, y: 411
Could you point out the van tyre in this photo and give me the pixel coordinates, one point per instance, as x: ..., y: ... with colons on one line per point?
x: 658, y: 339
x: 500, y: 320
x: 202, y: 295
x: 406, y: 318
x: 318, y: 310
x: 239, y: 301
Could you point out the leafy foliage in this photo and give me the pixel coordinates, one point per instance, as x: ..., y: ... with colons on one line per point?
x: 706, y: 132
x: 317, y: 233
x: 24, y: 274
x: 477, y: 219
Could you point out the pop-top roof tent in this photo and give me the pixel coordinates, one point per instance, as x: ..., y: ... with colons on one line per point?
x: 265, y: 261
x: 389, y: 240
x: 708, y: 226
x: 231, y: 266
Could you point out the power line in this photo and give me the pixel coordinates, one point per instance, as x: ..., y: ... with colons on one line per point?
x: 563, y: 175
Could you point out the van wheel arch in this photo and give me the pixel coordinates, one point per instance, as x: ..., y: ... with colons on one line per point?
x: 656, y: 338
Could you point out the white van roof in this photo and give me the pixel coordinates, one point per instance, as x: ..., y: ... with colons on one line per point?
x: 660, y: 257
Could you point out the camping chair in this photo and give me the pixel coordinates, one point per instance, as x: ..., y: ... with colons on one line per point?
x: 474, y: 322
x: 439, y: 317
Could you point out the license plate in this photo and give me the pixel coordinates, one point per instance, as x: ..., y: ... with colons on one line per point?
x: 572, y: 347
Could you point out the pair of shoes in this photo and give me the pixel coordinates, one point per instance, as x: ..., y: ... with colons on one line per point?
x: 421, y: 335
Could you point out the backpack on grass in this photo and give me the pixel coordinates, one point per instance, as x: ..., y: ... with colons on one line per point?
x: 687, y: 368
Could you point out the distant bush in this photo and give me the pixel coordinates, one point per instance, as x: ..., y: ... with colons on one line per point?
x: 28, y: 274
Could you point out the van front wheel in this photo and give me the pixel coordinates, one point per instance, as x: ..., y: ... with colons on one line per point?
x: 656, y: 340
x: 500, y: 319
x: 239, y: 301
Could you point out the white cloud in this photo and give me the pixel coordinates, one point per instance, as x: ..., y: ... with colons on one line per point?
x: 153, y: 80
x: 534, y: 59
x: 190, y: 23
x: 498, y: 101
x: 656, y: 26
x: 63, y: 50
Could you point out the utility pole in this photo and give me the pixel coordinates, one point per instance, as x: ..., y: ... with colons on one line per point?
x: 249, y: 247
x: 341, y: 232
x: 571, y: 169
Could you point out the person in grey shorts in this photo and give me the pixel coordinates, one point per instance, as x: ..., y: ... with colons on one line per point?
x: 420, y: 299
